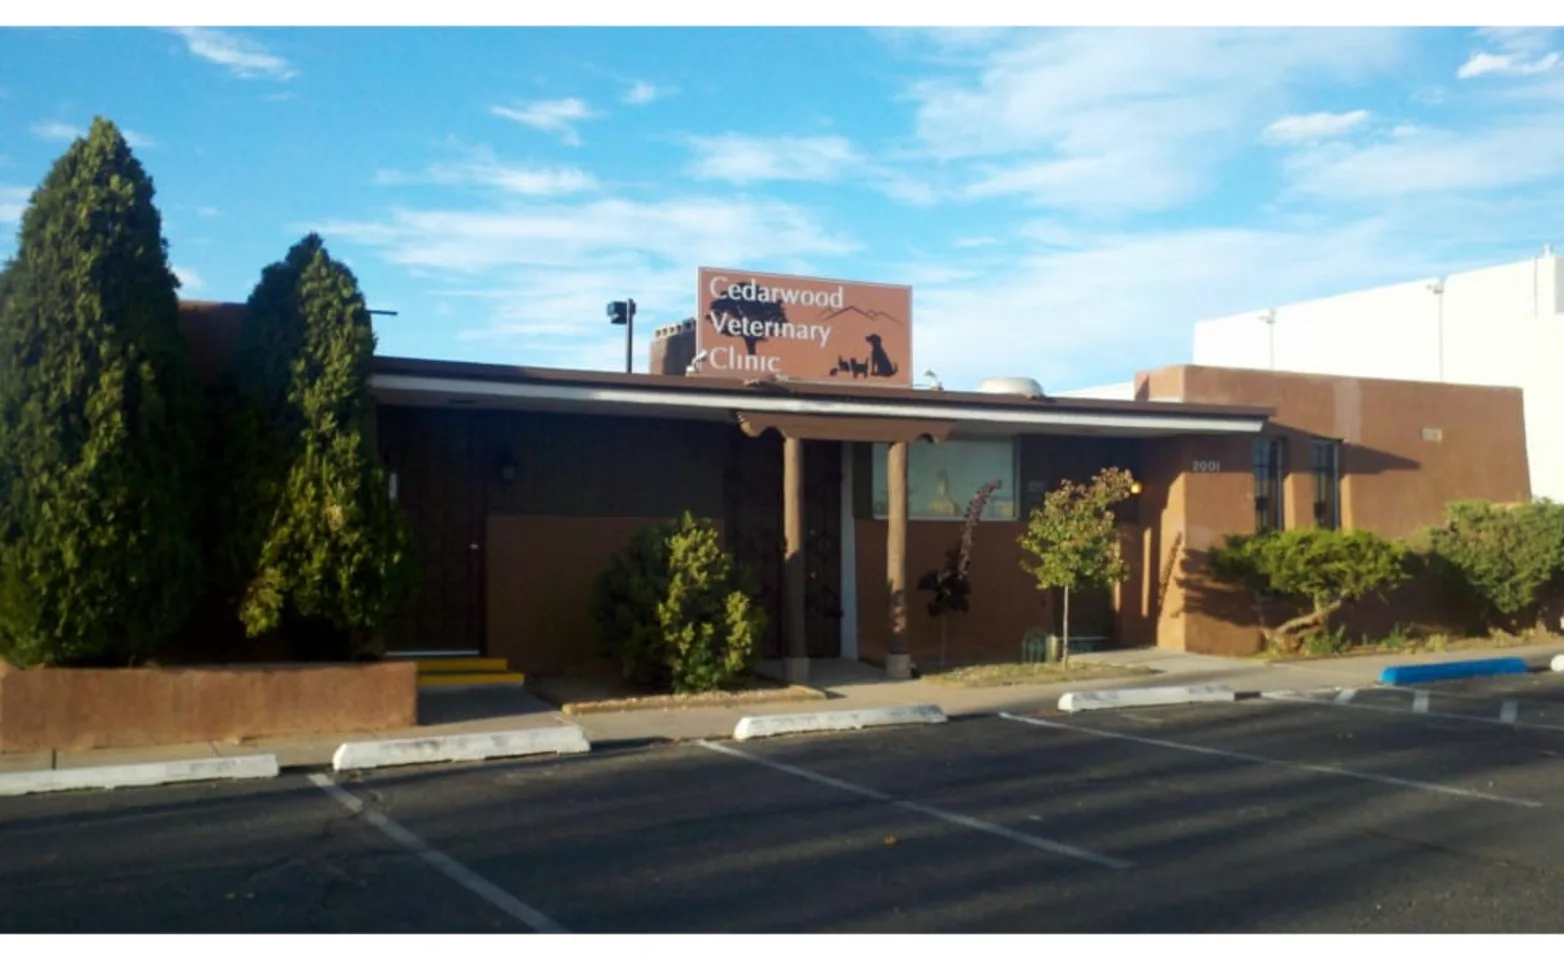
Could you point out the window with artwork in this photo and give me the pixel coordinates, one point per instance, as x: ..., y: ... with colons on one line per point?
x: 1268, y: 474
x: 943, y: 477
x: 1327, y: 483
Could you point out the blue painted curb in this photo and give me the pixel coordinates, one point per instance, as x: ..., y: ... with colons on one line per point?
x: 1424, y: 672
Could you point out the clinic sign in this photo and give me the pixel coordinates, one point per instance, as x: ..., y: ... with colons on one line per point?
x: 754, y: 325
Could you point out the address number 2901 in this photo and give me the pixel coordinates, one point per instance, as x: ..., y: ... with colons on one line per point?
x: 1207, y: 466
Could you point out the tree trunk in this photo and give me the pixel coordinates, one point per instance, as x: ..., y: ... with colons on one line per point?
x: 1290, y: 634
x: 944, y: 635
x: 1064, y: 652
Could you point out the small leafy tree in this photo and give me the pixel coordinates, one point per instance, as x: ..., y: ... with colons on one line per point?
x: 676, y: 611
x: 1073, y: 538
x: 99, y: 408
x: 314, y: 536
x: 1324, y: 569
x: 1510, y: 559
x: 949, y: 584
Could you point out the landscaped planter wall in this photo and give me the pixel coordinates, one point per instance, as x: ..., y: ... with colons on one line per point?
x: 71, y: 709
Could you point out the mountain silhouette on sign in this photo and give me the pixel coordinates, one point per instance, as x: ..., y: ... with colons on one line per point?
x: 874, y: 316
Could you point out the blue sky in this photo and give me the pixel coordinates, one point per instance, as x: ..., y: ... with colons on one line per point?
x: 1065, y: 203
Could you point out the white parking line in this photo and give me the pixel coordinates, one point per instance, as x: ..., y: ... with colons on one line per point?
x: 1346, y: 695
x: 972, y: 823
x: 1420, y: 701
x: 1509, y: 710
x: 1290, y: 697
x: 416, y: 845
x: 1271, y: 762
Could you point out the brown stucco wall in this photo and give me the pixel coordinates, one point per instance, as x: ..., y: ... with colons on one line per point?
x: 1005, y: 600
x: 71, y: 709
x: 541, y: 571
x: 1394, y: 481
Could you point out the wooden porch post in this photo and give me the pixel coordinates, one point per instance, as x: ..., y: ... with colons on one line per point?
x: 898, y: 659
x: 794, y: 584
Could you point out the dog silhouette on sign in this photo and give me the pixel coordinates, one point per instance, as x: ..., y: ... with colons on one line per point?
x: 877, y: 364
x: 880, y: 364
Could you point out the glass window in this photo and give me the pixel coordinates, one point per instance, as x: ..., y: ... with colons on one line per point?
x: 1268, y: 485
x: 1326, y: 462
x: 943, y: 477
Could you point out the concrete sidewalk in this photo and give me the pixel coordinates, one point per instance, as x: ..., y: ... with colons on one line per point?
x: 848, y: 686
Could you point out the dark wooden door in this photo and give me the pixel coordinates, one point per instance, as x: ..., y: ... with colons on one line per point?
x: 823, y: 547
x: 440, y: 486
x: 752, y: 523
x: 753, y: 532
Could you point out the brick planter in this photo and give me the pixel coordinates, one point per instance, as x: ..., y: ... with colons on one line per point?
x: 71, y: 709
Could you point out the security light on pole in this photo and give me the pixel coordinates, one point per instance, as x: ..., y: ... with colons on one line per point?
x: 622, y: 313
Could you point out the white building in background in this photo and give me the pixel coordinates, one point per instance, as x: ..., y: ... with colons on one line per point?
x: 1498, y: 326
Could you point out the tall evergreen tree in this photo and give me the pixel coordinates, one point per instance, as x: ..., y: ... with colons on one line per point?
x: 316, y: 539
x: 98, y: 403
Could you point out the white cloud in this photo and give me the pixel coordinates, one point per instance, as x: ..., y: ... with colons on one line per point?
x: 514, y: 179
x: 642, y: 93
x: 1521, y: 152
x: 1506, y: 65
x: 242, y: 56
x: 1138, y: 119
x: 677, y: 230
x: 13, y: 201
x: 1512, y: 52
x: 189, y: 280
x: 1103, y: 306
x: 1312, y: 127
x: 550, y: 116
x: 57, y: 130
x: 970, y: 243
x: 743, y: 159
x: 538, y: 274
x: 207, y: 212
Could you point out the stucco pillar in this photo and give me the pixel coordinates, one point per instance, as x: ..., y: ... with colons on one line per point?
x: 898, y: 660
x: 794, y: 584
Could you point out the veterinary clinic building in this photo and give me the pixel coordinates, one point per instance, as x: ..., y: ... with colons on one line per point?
x: 839, y: 484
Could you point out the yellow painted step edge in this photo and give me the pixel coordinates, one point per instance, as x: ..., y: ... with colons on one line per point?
x: 464, y: 679
x: 464, y: 665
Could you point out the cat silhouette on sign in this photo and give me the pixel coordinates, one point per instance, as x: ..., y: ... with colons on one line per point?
x: 877, y: 364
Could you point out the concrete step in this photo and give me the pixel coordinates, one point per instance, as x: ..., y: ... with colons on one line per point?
x: 477, y: 678
x: 433, y: 665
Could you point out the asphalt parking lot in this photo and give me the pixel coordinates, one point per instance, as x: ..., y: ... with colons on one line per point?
x: 1259, y: 816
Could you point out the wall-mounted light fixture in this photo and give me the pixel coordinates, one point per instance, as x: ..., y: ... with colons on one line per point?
x: 505, y: 467
x: 1135, y: 488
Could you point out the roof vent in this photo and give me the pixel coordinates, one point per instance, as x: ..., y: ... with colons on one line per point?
x: 1012, y: 387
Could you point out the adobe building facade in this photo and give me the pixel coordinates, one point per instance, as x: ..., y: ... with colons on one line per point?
x: 839, y: 492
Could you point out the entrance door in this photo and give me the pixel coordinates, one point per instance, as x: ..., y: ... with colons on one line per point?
x: 440, y: 487
x: 753, y: 532
x: 823, y: 547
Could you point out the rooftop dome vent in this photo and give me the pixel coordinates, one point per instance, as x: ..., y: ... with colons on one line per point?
x: 1012, y: 387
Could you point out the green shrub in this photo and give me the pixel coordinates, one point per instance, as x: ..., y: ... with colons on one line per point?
x: 1324, y: 569
x: 100, y: 471
x: 1510, y: 560
x: 1400, y: 638
x: 1327, y: 642
x: 676, y: 611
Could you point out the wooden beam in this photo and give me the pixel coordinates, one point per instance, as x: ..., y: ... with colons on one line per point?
x: 861, y: 429
x: 897, y: 661
x: 794, y: 576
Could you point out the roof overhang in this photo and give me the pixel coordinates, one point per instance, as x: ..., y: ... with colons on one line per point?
x: 626, y: 399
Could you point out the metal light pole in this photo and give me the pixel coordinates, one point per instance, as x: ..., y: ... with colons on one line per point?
x: 622, y: 313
